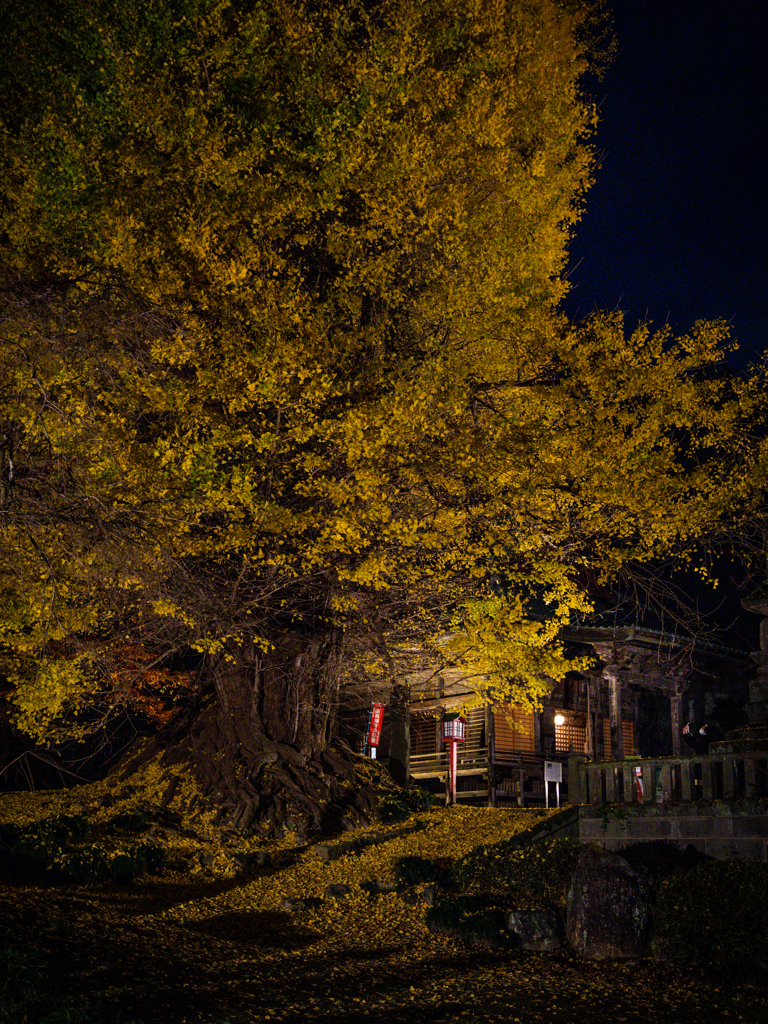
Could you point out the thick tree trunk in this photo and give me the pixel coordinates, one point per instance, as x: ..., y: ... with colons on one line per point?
x: 287, y: 695
x: 260, y: 747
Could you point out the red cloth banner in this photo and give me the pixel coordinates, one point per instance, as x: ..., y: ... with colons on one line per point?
x: 639, y: 783
x: 374, y: 726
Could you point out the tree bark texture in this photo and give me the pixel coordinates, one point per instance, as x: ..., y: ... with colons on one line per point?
x: 260, y: 746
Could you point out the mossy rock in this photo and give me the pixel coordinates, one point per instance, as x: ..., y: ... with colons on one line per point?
x: 126, y: 866
x: 153, y: 857
x: 132, y: 821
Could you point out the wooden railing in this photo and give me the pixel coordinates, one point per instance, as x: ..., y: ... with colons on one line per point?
x: 471, y: 761
x: 668, y: 779
x: 516, y: 778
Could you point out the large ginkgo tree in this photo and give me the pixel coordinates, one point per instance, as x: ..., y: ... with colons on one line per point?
x: 283, y: 378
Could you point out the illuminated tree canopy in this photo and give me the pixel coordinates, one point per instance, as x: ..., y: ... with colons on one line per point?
x: 283, y: 373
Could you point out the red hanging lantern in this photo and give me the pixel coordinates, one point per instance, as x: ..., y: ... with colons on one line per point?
x: 454, y: 731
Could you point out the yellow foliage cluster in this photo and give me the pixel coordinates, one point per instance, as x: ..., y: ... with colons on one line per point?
x: 281, y: 343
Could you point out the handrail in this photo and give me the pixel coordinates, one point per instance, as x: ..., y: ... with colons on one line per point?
x: 526, y: 758
x: 718, y: 776
x: 472, y: 759
x: 463, y: 753
x: 477, y: 761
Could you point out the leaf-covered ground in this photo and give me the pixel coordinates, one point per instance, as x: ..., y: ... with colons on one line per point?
x: 198, y: 948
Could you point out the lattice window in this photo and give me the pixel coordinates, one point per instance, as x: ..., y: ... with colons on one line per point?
x: 628, y: 728
x: 424, y: 729
x: 628, y: 731
x: 514, y: 729
x: 572, y: 731
x: 475, y: 735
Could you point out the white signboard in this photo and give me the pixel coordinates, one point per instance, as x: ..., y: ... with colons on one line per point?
x: 553, y: 772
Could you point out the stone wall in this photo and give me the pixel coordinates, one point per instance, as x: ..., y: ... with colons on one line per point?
x: 720, y: 829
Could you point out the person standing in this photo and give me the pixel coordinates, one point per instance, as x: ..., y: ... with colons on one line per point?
x: 700, y: 739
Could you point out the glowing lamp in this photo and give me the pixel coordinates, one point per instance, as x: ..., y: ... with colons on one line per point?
x: 559, y: 719
x: 454, y: 729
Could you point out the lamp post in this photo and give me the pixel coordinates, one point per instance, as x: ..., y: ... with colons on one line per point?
x: 454, y: 730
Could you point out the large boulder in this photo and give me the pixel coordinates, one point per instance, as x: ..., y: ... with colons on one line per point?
x: 608, y: 908
x: 538, y: 930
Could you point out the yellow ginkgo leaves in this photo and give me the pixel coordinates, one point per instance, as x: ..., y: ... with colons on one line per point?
x: 281, y: 345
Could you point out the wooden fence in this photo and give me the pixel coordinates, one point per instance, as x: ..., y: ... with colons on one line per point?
x: 507, y: 778
x: 668, y: 779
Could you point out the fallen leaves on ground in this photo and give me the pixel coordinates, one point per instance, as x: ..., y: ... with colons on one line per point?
x: 204, y: 950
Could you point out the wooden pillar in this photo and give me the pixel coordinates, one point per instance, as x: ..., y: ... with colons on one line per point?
x: 628, y: 784
x: 490, y: 740
x: 589, y: 746
x: 576, y: 787
x: 617, y: 735
x: 676, y: 714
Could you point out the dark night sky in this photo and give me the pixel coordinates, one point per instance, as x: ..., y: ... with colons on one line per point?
x: 676, y: 225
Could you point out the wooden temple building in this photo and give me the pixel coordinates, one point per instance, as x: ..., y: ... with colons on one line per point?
x: 644, y: 688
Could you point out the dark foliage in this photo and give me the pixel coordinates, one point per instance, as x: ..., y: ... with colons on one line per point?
x: 716, y: 917
x: 401, y: 804
x: 534, y: 877
x: 55, y: 847
x: 412, y: 870
x: 30, y: 992
x: 473, y: 919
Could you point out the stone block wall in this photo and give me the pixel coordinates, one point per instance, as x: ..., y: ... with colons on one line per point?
x: 720, y: 828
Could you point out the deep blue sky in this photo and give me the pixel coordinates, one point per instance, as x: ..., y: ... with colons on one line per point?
x: 676, y: 225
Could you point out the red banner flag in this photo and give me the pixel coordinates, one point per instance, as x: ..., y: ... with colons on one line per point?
x: 374, y: 726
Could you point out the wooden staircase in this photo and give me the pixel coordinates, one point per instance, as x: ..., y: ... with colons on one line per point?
x: 473, y: 763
